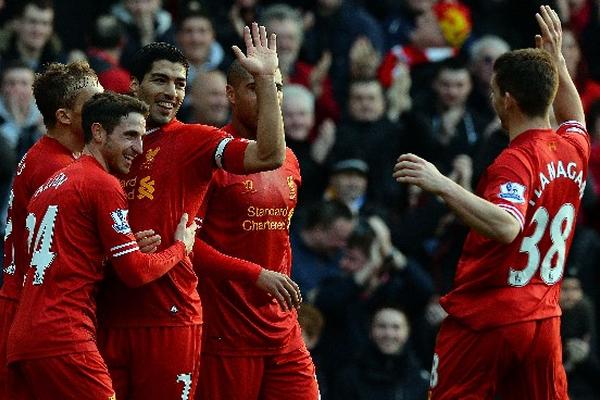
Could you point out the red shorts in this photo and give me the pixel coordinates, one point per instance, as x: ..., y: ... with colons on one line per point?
x: 289, y: 376
x: 518, y: 361
x: 152, y: 363
x: 72, y: 376
x: 7, y: 312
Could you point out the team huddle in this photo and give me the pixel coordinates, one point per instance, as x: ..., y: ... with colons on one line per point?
x: 146, y: 258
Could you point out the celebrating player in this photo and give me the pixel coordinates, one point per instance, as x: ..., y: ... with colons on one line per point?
x: 252, y: 347
x: 170, y: 178
x: 502, y: 333
x: 76, y: 221
x: 60, y: 92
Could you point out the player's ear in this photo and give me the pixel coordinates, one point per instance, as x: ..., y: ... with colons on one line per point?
x: 230, y: 94
x: 98, y: 132
x: 134, y: 87
x: 63, y: 116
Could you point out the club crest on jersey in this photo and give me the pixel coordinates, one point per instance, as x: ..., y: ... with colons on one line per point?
x: 513, y: 192
x: 292, y: 186
x: 121, y: 224
x: 248, y: 187
x: 150, y: 155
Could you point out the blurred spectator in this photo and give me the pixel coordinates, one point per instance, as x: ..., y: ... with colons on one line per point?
x: 374, y: 273
x: 399, y: 24
x: 483, y: 53
x: 299, y: 119
x: 311, y: 322
x: 144, y: 22
x: 577, y: 330
x: 589, y: 89
x: 318, y: 243
x: 196, y: 38
x: 20, y: 120
x: 288, y: 24
x: 106, y: 41
x: 348, y: 182
x: 32, y: 40
x: 454, y: 128
x: 230, y: 18
x: 338, y: 24
x: 438, y: 34
x: 208, y: 100
x: 387, y: 369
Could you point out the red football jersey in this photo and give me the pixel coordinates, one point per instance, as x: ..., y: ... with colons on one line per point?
x: 41, y: 162
x: 539, y: 179
x: 168, y: 179
x: 77, y: 220
x: 248, y: 217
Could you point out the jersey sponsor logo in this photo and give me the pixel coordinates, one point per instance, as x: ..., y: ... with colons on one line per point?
x: 513, y: 192
x: 292, y: 186
x: 146, y: 189
x: 121, y: 224
x: 150, y: 155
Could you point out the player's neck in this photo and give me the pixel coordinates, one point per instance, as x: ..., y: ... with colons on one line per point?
x: 94, y: 152
x: 242, y: 130
x: 520, y: 125
x: 72, y: 142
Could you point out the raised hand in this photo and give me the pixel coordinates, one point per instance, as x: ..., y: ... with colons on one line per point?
x: 281, y: 287
x: 261, y: 54
x: 417, y: 171
x: 551, y: 37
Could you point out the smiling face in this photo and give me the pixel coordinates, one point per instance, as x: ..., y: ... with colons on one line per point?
x: 124, y: 143
x: 195, y: 38
x: 163, y: 89
x: 390, y: 331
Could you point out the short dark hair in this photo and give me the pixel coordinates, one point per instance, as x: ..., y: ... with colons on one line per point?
x: 530, y: 76
x: 41, y: 4
x: 236, y: 73
x: 325, y: 213
x: 58, y: 86
x: 452, y: 64
x: 107, y: 109
x: 192, y: 9
x: 143, y: 59
x: 107, y: 32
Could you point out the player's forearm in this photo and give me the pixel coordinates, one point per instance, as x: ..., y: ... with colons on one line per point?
x: 209, y: 261
x: 480, y: 215
x: 269, y: 150
x: 567, y: 103
x: 136, y: 269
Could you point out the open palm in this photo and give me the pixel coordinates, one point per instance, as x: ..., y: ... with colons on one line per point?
x: 261, y: 53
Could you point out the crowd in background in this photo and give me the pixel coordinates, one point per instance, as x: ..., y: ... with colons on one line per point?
x: 364, y: 81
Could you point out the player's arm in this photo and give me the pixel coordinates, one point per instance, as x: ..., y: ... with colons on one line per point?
x: 135, y: 268
x: 567, y: 103
x: 209, y: 261
x: 479, y: 214
x: 260, y: 60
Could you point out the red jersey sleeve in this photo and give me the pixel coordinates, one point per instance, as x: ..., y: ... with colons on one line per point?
x: 576, y: 133
x: 509, y: 185
x: 208, y: 260
x: 133, y: 267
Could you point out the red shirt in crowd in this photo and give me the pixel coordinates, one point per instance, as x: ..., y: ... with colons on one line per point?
x: 77, y: 221
x: 539, y: 179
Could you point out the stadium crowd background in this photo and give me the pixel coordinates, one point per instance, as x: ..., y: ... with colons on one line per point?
x: 364, y: 82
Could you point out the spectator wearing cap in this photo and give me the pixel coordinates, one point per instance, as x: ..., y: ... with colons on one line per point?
x: 106, y: 40
x: 348, y: 182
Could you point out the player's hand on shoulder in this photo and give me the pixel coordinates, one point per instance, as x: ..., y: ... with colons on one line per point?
x: 261, y: 51
x: 281, y: 287
x: 185, y: 233
x: 148, y: 241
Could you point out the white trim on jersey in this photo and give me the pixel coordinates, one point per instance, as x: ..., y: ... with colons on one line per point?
x: 119, y: 254
x: 573, y: 126
x: 515, y: 212
x: 122, y: 245
x: 220, y: 151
